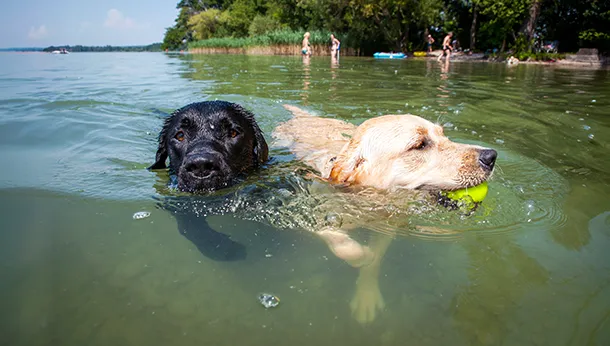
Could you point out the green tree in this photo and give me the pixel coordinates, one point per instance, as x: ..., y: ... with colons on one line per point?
x: 263, y: 24
x: 173, y: 38
x: 207, y: 24
x: 503, y: 17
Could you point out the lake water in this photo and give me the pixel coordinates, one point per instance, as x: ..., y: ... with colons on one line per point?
x: 530, y: 267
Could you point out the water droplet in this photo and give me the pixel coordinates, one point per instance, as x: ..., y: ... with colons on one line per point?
x: 591, y: 136
x: 586, y: 127
x: 499, y: 141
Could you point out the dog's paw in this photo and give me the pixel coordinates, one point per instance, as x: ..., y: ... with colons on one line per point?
x: 367, y: 301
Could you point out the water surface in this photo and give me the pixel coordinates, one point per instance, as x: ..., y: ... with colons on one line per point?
x: 529, y: 267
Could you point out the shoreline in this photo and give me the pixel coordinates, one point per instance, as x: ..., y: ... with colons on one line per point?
x: 317, y: 50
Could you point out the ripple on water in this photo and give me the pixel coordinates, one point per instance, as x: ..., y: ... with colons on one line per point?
x: 523, y: 195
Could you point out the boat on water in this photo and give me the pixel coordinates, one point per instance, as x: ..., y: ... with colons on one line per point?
x: 383, y: 55
x: 61, y: 51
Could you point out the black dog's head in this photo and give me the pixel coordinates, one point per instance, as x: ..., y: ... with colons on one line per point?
x: 210, y: 144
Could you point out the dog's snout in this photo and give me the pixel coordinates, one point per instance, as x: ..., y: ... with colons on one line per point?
x: 202, y: 166
x: 487, y: 158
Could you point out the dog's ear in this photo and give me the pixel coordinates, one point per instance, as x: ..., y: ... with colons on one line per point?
x: 346, y: 166
x: 161, y: 155
x: 261, y: 150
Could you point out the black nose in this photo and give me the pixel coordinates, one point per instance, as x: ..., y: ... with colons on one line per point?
x: 487, y: 158
x: 202, y: 166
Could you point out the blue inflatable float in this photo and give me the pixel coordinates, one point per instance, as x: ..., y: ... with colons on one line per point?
x: 381, y: 55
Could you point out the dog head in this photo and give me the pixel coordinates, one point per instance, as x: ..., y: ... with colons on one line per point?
x: 406, y: 151
x: 210, y: 144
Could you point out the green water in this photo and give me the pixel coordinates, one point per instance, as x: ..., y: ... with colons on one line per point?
x: 530, y: 267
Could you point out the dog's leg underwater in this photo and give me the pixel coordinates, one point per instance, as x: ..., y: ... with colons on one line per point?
x: 367, y: 258
x: 212, y: 244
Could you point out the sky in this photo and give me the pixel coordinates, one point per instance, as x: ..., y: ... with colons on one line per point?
x: 42, y: 23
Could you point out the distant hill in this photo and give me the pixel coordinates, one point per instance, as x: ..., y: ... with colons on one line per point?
x: 155, y: 47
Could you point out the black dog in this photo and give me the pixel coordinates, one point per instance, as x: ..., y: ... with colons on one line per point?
x: 210, y: 145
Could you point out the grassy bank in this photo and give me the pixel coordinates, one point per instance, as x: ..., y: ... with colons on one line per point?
x: 283, y: 42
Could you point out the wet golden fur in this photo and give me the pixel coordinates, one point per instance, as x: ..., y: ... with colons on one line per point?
x: 387, y: 152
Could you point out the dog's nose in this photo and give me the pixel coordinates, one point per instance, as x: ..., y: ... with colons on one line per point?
x: 487, y: 158
x: 202, y: 166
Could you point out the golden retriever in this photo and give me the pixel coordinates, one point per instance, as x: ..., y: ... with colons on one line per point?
x: 387, y: 153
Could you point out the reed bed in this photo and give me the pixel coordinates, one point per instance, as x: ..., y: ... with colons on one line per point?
x: 283, y: 42
x: 271, y: 50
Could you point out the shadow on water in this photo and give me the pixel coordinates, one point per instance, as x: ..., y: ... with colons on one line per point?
x: 529, y: 267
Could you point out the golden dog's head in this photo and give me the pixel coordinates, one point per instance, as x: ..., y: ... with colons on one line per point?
x: 406, y: 151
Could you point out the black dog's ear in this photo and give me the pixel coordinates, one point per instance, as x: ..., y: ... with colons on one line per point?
x: 261, y: 151
x: 161, y: 155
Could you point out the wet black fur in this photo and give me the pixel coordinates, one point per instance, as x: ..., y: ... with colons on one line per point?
x: 208, y: 128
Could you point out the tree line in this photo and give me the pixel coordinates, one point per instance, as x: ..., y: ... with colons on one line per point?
x: 155, y: 47
x: 402, y: 25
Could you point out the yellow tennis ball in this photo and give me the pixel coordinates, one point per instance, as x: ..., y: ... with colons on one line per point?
x: 476, y: 193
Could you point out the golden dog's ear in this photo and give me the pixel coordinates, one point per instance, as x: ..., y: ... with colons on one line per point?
x: 347, y: 164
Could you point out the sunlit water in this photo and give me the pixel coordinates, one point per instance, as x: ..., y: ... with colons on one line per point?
x: 530, y: 266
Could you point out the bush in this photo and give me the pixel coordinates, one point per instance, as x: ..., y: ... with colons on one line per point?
x: 540, y: 56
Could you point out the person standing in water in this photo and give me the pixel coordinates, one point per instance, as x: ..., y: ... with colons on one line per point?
x: 306, y: 47
x: 446, y: 47
x: 430, y: 42
x: 334, y: 46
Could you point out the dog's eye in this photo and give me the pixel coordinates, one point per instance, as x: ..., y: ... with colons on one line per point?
x: 420, y: 145
x: 179, y: 136
x: 233, y: 133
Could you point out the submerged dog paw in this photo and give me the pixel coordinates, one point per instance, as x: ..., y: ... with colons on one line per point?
x: 367, y: 301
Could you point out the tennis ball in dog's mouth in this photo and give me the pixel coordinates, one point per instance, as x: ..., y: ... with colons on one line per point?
x: 476, y: 193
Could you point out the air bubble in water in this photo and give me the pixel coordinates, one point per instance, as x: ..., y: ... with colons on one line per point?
x: 333, y: 220
x: 141, y: 215
x: 530, y: 207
